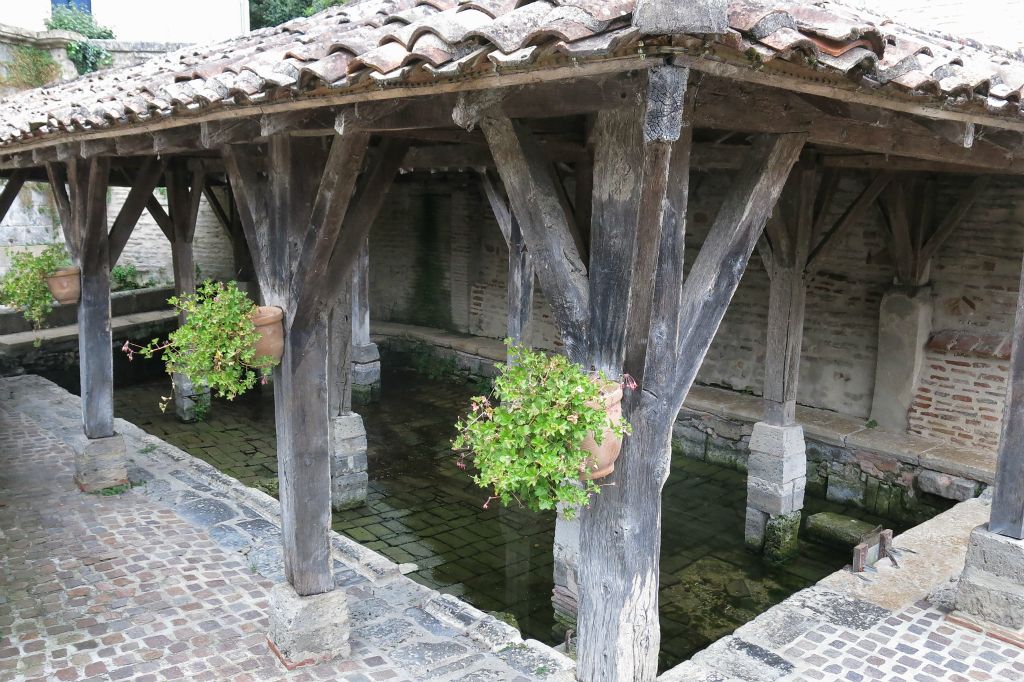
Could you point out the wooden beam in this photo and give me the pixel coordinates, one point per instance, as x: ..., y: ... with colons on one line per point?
x: 1007, y: 516
x: 88, y: 189
x: 243, y: 163
x: 952, y: 219
x: 10, y: 192
x: 722, y: 259
x: 369, y: 196
x: 142, y: 189
x: 216, y: 134
x: 830, y: 240
x: 160, y: 217
x: 541, y: 210
x: 58, y: 176
x: 519, y: 286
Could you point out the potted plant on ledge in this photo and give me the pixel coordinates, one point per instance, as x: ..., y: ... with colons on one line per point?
x: 552, y: 431
x: 34, y: 281
x: 225, y: 344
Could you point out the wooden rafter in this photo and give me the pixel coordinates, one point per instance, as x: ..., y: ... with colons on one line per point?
x: 142, y: 188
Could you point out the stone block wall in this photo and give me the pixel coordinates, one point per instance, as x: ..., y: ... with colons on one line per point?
x: 437, y: 240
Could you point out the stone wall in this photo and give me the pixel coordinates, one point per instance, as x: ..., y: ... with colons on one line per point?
x: 437, y: 240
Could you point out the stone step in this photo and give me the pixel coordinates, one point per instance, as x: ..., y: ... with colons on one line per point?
x: 836, y: 529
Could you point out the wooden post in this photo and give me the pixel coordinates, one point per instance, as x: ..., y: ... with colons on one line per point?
x: 100, y: 460
x: 185, y: 185
x: 364, y: 383
x: 1007, y: 516
x: 304, y: 227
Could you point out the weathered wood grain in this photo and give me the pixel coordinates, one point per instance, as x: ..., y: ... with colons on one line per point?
x: 544, y: 217
x: 10, y: 192
x: 145, y: 181
x: 1007, y: 517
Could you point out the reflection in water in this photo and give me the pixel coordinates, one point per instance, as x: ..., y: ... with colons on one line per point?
x: 423, y: 510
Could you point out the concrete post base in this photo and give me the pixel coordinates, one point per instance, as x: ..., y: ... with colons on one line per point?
x: 365, y: 373
x: 348, y: 462
x: 992, y: 585
x: 190, y: 404
x: 308, y: 630
x: 565, y: 595
x: 100, y: 462
x: 776, y: 479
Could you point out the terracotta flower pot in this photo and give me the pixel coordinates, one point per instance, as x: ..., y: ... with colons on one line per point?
x: 602, y: 457
x: 66, y: 284
x: 270, y: 327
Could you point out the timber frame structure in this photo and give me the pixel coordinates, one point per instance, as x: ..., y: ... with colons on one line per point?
x: 309, y: 123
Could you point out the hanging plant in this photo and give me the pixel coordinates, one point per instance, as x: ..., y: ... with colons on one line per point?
x: 27, y: 286
x: 538, y: 440
x: 226, y: 343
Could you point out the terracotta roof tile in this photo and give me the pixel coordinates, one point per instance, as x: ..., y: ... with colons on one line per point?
x: 390, y: 42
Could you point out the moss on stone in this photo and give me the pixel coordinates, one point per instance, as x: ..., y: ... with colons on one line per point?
x: 781, y: 537
x: 31, y: 67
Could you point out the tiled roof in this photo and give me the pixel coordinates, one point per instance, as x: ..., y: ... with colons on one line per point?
x: 378, y: 44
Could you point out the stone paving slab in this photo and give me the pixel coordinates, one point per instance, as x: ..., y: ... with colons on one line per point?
x: 170, y: 580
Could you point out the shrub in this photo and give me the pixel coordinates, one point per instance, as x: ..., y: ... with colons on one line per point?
x: 214, y: 347
x: 527, y: 447
x: 86, y: 56
x: 125, y: 277
x: 24, y: 285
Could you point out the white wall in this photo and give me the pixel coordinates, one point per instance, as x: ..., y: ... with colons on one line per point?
x: 166, y: 21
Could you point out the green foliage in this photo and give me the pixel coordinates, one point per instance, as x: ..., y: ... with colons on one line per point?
x: 86, y: 56
x: 264, y: 13
x: 214, y: 347
x: 24, y: 285
x: 114, y: 490
x: 527, y: 448
x: 125, y: 277
x: 30, y: 68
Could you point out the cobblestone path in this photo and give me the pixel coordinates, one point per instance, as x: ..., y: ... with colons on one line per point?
x: 170, y: 579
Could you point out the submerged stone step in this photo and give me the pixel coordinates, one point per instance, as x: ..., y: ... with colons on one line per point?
x: 836, y: 529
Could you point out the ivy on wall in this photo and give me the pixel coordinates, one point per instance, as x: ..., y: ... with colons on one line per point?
x: 85, y: 55
x: 264, y: 13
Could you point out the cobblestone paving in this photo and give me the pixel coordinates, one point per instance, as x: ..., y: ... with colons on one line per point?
x: 170, y: 579
x: 915, y: 644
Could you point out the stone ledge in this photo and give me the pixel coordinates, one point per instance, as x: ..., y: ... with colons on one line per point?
x: 969, y: 344
x: 119, y: 326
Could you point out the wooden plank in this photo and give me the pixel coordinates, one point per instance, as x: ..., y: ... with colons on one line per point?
x: 96, y: 368
x: 499, y: 206
x: 142, y: 189
x: 830, y: 241
x: 15, y: 182
x: 1007, y: 517
x: 540, y: 209
x: 955, y: 216
x: 216, y: 134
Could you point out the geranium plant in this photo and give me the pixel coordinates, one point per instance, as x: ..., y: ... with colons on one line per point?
x: 215, y: 346
x: 525, y: 441
x: 24, y: 286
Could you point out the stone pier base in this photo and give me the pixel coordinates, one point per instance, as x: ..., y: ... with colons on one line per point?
x: 776, y: 479
x: 100, y: 462
x: 365, y: 373
x: 992, y: 585
x: 904, y: 323
x: 565, y: 596
x: 190, y: 403
x: 348, y: 462
x: 308, y: 630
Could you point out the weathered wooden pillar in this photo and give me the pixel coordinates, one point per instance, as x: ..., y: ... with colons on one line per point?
x: 905, y: 315
x: 185, y: 184
x: 777, y: 465
x: 100, y: 457
x: 991, y: 586
x: 365, y: 354
x: 305, y: 218
x: 668, y: 331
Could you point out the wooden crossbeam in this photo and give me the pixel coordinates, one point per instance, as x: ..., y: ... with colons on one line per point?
x: 10, y: 192
x: 58, y: 177
x: 954, y: 217
x: 544, y: 216
x: 830, y: 240
x: 142, y: 188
